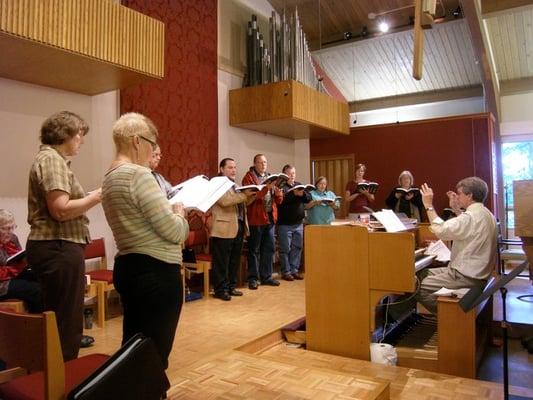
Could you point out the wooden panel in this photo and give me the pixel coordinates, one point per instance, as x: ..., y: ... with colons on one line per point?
x: 386, y: 249
x: 288, y: 109
x: 457, y: 347
x: 523, y: 207
x: 99, y: 43
x: 337, y: 290
x: 338, y: 170
x: 236, y: 375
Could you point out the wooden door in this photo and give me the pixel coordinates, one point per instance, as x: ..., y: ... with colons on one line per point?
x: 338, y: 170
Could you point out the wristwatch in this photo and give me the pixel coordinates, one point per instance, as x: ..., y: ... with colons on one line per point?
x: 430, y: 209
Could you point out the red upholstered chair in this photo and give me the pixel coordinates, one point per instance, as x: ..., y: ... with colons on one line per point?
x: 29, y: 344
x: 102, y: 277
x: 198, y: 241
x: 13, y: 305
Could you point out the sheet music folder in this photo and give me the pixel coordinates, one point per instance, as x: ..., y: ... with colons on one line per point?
x: 477, y: 295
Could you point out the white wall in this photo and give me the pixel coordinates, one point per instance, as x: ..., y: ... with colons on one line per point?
x: 23, y: 108
x: 517, y: 114
x: 418, y: 112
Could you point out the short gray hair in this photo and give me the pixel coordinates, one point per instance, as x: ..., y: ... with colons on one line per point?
x: 6, y: 217
x: 475, y: 186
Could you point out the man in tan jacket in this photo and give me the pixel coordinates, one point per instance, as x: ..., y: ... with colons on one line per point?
x: 229, y: 228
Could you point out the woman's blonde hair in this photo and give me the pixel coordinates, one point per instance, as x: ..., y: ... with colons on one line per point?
x: 6, y: 217
x: 130, y: 125
x: 320, y: 178
x: 406, y: 173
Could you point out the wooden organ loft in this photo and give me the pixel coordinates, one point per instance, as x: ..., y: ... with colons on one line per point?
x: 348, y: 271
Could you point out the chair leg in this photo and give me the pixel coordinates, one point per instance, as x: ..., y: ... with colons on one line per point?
x: 101, y: 298
x: 206, y: 282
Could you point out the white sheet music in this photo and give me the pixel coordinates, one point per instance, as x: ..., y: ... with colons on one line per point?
x: 445, y: 292
x: 390, y: 221
x: 200, y: 193
x: 440, y: 250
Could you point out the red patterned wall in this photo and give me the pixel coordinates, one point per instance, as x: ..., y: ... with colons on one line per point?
x: 184, y: 105
x: 439, y: 151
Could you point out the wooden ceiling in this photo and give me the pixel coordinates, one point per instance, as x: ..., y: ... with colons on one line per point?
x: 382, y: 66
x: 328, y: 24
x: 485, y: 50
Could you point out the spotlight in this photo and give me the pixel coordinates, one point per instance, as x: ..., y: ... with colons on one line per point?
x: 457, y: 12
x: 364, y: 31
x: 383, y: 27
x: 347, y: 35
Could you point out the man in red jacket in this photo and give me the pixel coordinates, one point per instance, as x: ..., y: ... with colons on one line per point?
x: 262, y: 218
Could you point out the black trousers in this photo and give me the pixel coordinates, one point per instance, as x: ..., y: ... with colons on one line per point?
x: 226, y: 259
x: 152, y: 295
x: 26, y: 288
x: 60, y: 269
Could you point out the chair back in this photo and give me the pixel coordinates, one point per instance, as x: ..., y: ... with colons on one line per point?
x: 96, y: 249
x: 31, y: 341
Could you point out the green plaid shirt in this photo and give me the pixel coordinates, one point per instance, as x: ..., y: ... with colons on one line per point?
x: 51, y: 171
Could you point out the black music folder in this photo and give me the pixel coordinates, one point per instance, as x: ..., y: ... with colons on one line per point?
x: 134, y: 372
x: 477, y: 295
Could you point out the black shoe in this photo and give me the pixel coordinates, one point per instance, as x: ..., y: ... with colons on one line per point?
x: 297, y: 276
x: 252, y: 285
x: 287, y: 277
x: 86, y: 341
x: 223, y: 296
x: 235, y: 292
x: 270, y: 282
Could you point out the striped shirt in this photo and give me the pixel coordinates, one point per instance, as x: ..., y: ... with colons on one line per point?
x: 51, y: 171
x: 140, y: 216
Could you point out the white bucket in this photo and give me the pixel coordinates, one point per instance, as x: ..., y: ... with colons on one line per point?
x: 383, y: 353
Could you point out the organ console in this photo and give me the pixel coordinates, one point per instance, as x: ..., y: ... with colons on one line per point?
x: 349, y: 270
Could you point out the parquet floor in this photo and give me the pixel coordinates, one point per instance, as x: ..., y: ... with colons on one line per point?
x: 204, y: 364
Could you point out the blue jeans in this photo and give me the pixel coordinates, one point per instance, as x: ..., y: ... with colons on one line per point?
x: 290, y: 247
x: 260, y: 252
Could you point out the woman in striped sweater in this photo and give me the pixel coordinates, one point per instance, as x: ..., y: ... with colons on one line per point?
x: 149, y: 234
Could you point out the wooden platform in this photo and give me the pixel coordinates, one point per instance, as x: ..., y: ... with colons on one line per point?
x: 204, y: 363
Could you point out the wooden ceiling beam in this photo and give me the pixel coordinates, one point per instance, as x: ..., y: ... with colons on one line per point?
x: 516, y: 86
x: 494, y: 8
x: 482, y: 54
x: 417, y: 98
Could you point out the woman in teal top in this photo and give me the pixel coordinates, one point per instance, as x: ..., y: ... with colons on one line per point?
x: 321, y: 208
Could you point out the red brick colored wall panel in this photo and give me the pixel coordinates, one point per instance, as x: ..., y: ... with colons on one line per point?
x: 184, y: 105
x: 439, y: 152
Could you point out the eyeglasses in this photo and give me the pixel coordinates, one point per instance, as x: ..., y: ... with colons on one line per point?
x: 154, y: 144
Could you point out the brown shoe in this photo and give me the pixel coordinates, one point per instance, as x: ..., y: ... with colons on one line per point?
x: 297, y: 276
x: 287, y: 277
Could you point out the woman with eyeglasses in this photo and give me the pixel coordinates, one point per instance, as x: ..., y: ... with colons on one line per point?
x: 149, y: 233
x: 17, y: 281
x: 59, y: 227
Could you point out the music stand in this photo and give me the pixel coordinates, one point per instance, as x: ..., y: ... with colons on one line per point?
x: 476, y: 296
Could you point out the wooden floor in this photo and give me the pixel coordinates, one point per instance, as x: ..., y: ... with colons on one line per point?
x: 205, y: 365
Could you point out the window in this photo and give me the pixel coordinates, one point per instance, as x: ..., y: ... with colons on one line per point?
x: 517, y: 164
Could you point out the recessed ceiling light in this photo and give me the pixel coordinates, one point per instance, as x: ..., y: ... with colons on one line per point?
x: 383, y: 27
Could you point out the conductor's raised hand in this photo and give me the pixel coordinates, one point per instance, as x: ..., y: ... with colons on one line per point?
x: 453, y: 200
x: 427, y: 195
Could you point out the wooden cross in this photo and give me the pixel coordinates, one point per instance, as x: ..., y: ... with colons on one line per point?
x: 423, y: 20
